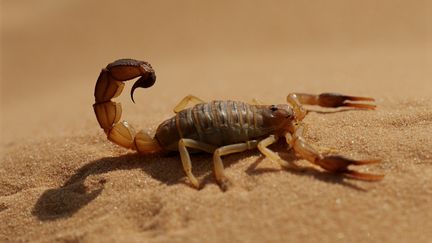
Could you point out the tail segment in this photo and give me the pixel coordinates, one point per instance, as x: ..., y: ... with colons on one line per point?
x: 108, y: 113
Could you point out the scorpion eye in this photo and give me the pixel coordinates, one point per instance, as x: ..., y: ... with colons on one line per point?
x: 273, y: 108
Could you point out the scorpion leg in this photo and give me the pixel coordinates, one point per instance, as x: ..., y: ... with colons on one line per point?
x: 332, y: 163
x: 108, y: 113
x: 184, y: 102
x: 331, y: 100
x: 262, y: 147
x: 256, y: 102
x: 225, y: 150
x: 185, y: 158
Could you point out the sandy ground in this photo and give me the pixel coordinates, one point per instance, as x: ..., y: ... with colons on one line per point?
x: 61, y: 180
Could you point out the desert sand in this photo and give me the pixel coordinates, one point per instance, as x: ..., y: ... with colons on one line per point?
x: 62, y: 181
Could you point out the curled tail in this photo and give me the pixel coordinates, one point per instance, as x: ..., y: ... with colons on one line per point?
x: 109, y: 85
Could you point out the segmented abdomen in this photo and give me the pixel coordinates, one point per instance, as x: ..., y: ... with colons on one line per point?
x: 217, y: 123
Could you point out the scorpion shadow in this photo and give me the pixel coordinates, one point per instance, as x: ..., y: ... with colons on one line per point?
x: 66, y: 200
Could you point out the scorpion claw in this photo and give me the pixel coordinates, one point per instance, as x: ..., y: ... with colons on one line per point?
x: 338, y: 100
x: 363, y: 176
x: 340, y: 164
x: 360, y: 106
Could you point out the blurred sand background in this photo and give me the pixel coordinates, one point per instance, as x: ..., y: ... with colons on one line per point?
x: 61, y: 180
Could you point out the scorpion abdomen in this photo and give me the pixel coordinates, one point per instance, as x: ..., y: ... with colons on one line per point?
x: 217, y: 123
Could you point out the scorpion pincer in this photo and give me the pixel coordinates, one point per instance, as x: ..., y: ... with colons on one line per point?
x: 220, y: 127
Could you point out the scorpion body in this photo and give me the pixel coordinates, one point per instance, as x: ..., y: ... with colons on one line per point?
x: 217, y: 123
x: 220, y: 127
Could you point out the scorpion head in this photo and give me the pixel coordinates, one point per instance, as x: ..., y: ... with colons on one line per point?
x: 279, y: 117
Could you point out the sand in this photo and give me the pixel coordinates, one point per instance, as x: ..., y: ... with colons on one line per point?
x: 61, y: 180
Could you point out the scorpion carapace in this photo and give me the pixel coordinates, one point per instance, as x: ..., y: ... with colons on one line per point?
x: 220, y: 127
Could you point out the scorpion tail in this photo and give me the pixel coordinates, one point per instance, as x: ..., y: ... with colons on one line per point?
x: 108, y: 113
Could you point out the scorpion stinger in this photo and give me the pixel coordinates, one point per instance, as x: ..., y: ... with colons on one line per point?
x: 143, y: 82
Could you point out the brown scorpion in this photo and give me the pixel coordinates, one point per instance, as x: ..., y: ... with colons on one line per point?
x: 220, y: 127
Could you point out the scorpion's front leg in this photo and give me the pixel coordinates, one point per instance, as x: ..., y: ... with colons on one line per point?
x: 108, y: 86
x: 332, y: 163
x: 262, y: 147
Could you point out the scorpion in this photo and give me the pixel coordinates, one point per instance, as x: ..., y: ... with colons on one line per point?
x: 221, y: 127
